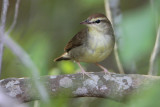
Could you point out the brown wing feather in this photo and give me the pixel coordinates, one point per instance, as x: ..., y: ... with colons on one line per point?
x: 77, y: 40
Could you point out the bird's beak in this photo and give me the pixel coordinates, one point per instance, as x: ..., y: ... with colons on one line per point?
x: 85, y: 22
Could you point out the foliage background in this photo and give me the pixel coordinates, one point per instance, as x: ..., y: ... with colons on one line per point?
x: 44, y: 27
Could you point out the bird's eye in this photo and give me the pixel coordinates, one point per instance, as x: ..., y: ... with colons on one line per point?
x: 97, y: 21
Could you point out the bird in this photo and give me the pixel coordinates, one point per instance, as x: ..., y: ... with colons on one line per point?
x: 92, y: 44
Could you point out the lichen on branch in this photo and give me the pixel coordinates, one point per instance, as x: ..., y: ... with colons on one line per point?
x: 114, y: 86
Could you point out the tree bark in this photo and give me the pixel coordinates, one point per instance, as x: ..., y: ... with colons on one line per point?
x: 114, y: 86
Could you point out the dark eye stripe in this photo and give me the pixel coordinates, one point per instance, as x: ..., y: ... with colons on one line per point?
x: 97, y: 21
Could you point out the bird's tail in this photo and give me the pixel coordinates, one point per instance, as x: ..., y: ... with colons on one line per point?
x: 63, y: 57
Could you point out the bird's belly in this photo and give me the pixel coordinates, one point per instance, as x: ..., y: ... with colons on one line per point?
x: 96, y: 50
x: 93, y: 57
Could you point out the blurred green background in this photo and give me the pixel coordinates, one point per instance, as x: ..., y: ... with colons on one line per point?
x: 45, y: 26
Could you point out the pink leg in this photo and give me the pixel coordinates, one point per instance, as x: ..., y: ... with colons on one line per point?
x: 82, y: 70
x: 103, y: 68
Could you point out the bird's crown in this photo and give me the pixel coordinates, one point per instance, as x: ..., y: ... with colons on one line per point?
x: 95, y: 18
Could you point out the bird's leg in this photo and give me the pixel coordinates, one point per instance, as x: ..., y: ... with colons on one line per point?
x: 103, y: 68
x: 82, y: 70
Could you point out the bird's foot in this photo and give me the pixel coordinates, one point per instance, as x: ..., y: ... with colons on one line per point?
x: 107, y: 72
x: 83, y: 72
x: 104, y: 70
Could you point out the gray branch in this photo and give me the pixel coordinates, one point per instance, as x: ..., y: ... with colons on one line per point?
x: 114, y: 86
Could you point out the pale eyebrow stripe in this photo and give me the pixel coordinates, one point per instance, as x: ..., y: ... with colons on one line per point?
x: 99, y: 19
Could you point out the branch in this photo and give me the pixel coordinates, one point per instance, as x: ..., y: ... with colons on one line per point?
x: 2, y: 29
x: 115, y: 86
x: 15, y: 17
x: 4, y: 13
x: 114, y: 14
x: 154, y: 55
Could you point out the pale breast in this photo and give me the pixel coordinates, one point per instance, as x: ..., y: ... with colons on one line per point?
x: 96, y: 49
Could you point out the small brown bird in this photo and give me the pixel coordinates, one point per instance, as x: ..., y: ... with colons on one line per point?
x: 91, y: 45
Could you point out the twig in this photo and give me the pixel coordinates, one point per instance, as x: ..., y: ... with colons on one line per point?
x: 108, y: 10
x: 115, y: 86
x: 26, y: 60
x: 36, y: 104
x: 120, y: 67
x: 115, y: 19
x: 154, y: 54
x: 4, y: 13
x: 2, y: 29
x: 15, y: 17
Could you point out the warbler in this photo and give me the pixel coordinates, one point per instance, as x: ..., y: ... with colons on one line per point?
x: 92, y: 44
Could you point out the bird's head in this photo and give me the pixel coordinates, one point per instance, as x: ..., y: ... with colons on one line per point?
x: 97, y: 22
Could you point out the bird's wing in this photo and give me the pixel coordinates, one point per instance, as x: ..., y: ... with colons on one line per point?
x: 77, y: 40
